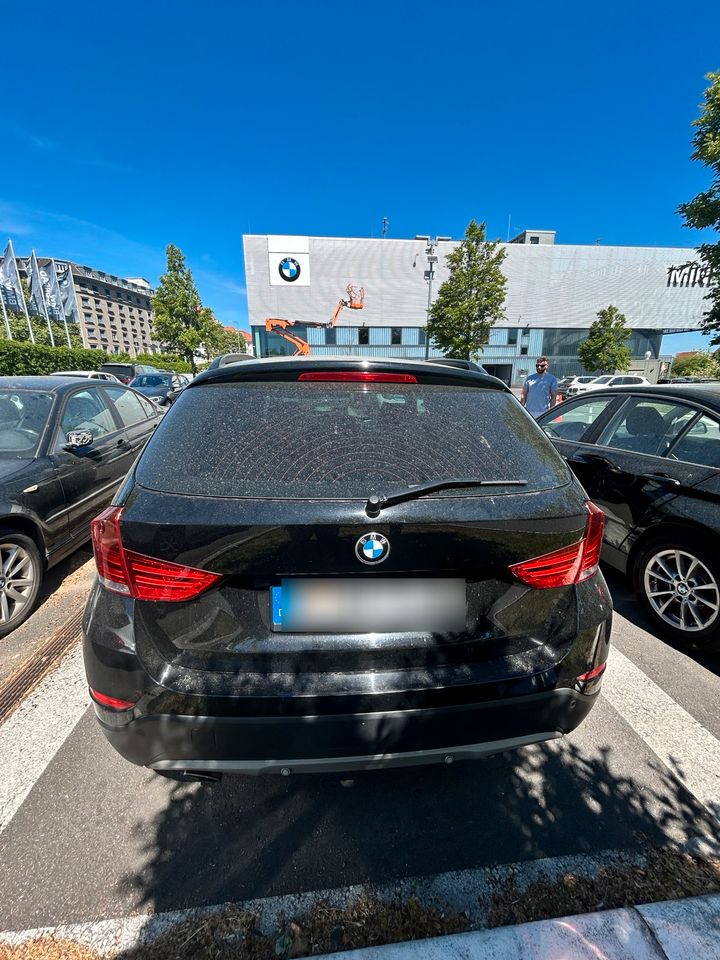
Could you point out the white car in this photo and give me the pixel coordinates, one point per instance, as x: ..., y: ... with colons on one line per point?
x: 568, y: 384
x: 609, y: 380
x: 86, y: 375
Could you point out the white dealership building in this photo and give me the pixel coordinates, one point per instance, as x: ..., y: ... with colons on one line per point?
x: 554, y: 292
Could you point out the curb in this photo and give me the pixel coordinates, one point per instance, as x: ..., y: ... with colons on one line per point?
x: 671, y: 930
x: 668, y: 930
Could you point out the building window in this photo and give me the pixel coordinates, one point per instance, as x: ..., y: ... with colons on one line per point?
x: 364, y: 336
x: 395, y: 336
x: 523, y: 351
x: 534, y: 239
x: 421, y: 336
x: 512, y: 337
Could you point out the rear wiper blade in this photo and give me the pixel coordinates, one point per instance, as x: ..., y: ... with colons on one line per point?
x: 376, y: 503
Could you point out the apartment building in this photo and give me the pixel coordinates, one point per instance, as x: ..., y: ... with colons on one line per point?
x: 115, y: 314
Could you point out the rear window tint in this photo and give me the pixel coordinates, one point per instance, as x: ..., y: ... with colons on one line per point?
x: 327, y: 440
x: 119, y: 369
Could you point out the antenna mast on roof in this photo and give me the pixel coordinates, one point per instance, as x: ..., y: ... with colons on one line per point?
x: 385, y: 225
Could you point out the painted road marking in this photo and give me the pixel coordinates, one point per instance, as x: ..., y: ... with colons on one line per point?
x: 677, y: 739
x: 33, y: 734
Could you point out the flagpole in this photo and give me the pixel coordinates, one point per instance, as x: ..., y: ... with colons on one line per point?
x: 62, y: 305
x: 5, y: 316
x: 22, y: 296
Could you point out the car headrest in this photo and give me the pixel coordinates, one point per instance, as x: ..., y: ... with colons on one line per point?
x: 645, y: 422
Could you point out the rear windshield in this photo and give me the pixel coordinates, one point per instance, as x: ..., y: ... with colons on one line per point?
x: 119, y: 369
x: 151, y: 380
x: 340, y: 440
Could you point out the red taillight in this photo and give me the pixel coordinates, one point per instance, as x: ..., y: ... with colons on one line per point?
x: 134, y: 574
x: 592, y: 674
x: 358, y: 376
x: 124, y: 379
x: 113, y: 703
x: 568, y: 565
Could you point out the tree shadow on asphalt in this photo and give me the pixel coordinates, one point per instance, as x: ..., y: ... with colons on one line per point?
x: 251, y: 837
x: 627, y: 605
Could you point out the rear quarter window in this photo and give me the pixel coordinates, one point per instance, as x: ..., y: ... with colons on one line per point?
x: 327, y: 440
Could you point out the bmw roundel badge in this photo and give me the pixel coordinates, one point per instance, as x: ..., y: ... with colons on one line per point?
x: 372, y: 548
x: 289, y: 269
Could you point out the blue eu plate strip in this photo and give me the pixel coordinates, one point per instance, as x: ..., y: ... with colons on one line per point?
x: 276, y: 601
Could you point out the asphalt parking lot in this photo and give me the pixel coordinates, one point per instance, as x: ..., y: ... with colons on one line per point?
x: 84, y: 835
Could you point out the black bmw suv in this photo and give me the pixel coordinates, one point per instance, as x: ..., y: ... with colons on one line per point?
x: 335, y: 564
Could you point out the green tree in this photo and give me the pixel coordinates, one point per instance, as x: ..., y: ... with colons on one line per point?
x: 700, y: 364
x: 605, y: 350
x: 703, y: 212
x: 471, y: 300
x: 19, y: 327
x: 19, y: 331
x: 181, y: 322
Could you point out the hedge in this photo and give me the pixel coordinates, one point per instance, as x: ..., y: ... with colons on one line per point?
x: 19, y: 358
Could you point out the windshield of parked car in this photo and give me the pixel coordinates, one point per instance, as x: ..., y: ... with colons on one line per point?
x: 23, y: 416
x: 602, y: 380
x: 151, y: 380
x: 344, y: 440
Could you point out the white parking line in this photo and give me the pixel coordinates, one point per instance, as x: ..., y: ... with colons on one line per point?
x: 684, y: 745
x: 33, y: 734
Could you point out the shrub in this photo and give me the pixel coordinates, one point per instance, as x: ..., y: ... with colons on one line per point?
x: 21, y: 359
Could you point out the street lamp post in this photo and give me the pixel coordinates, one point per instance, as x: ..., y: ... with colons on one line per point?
x: 429, y: 274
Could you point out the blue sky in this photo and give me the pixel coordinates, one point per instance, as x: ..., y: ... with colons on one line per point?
x: 127, y: 126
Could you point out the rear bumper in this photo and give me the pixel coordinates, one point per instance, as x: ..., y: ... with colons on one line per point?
x: 256, y: 745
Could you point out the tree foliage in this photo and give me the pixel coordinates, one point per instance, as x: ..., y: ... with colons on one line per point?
x: 181, y: 322
x: 605, y: 350
x: 703, y: 212
x: 471, y: 300
x: 700, y: 364
x: 19, y: 330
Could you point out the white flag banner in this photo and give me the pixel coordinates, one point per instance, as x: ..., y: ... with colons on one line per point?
x: 67, y: 291
x: 10, y: 288
x: 53, y: 297
x: 37, y: 294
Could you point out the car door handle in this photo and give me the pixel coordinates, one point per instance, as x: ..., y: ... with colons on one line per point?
x: 661, y: 478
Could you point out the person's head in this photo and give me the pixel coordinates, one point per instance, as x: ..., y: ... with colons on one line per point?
x: 541, y: 364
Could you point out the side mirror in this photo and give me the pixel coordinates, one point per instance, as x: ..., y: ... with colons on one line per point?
x: 77, y: 439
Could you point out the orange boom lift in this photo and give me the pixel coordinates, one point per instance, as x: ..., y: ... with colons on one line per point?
x: 355, y: 301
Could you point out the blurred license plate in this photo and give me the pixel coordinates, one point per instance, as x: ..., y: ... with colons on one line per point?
x: 368, y: 606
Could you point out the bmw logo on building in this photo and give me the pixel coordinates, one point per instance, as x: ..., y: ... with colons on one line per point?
x: 372, y: 548
x: 289, y: 269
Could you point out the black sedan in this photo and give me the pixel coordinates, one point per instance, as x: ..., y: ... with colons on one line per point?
x: 161, y: 388
x: 650, y: 458
x: 65, y: 446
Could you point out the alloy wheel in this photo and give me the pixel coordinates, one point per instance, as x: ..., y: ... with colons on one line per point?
x: 17, y: 579
x: 681, y: 590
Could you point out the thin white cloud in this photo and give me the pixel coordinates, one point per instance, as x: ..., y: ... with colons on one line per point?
x: 59, y: 234
x: 69, y: 154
